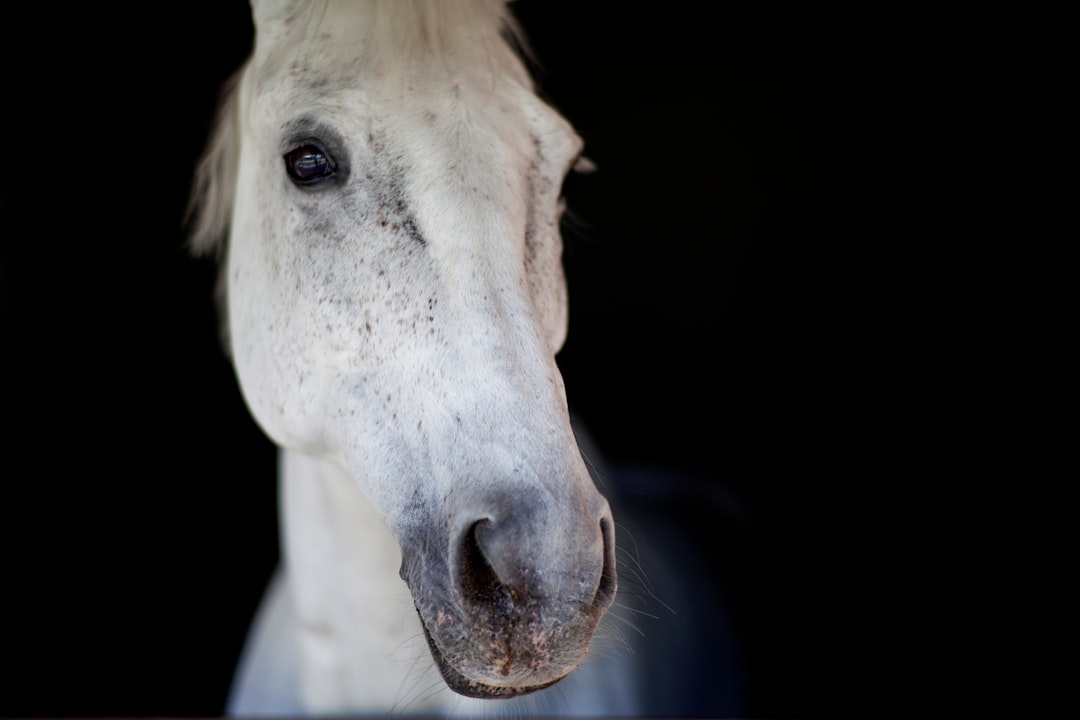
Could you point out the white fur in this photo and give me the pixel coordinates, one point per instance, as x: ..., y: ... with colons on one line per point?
x: 395, y: 335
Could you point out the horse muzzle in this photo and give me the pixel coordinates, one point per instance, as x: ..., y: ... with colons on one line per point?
x: 510, y: 600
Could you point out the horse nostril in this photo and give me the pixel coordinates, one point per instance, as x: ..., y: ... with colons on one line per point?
x: 479, y: 580
x: 608, y: 585
x: 498, y: 567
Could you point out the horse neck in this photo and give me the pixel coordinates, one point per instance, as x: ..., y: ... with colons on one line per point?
x: 359, y: 637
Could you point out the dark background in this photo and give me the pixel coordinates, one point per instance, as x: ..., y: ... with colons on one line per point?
x: 729, y: 327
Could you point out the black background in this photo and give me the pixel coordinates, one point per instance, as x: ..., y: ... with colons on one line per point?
x: 728, y: 322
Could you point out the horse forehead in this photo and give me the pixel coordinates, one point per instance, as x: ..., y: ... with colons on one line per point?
x: 476, y: 131
x: 485, y: 87
x: 467, y: 103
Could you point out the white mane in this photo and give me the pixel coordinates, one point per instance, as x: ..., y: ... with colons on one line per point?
x: 214, y: 189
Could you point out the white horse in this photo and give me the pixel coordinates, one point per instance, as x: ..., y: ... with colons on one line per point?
x: 384, y: 189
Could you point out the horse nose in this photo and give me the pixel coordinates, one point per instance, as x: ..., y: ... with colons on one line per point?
x: 521, y: 554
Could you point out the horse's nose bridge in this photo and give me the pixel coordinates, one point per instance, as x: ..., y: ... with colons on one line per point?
x: 495, y: 316
x: 509, y: 399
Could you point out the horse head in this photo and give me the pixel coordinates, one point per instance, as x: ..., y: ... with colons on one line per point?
x: 395, y: 300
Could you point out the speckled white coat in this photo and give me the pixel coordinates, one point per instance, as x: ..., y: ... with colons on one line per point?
x: 393, y: 325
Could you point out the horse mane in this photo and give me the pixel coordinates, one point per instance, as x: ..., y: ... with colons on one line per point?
x: 402, y: 29
x: 209, y: 209
x: 397, y: 29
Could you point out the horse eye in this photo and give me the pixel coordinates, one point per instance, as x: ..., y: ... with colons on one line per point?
x: 309, y: 164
